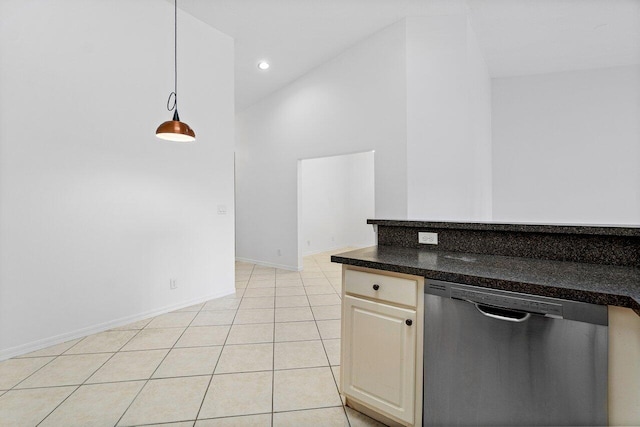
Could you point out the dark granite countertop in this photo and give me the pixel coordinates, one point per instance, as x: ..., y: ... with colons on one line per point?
x: 578, y: 281
x: 580, y: 229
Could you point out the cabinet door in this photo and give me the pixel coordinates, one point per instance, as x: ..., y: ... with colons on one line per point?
x: 379, y: 356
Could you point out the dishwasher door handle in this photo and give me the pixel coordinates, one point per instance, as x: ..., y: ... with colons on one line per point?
x: 502, y: 313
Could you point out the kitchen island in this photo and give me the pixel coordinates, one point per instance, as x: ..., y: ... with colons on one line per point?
x: 592, y: 264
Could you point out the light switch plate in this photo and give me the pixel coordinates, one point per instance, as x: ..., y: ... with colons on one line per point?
x: 428, y: 238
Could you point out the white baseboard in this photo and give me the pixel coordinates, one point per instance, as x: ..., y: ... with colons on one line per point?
x: 269, y: 264
x: 334, y: 248
x: 80, y: 333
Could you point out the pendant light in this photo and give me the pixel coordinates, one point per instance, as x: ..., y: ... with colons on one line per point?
x: 174, y: 129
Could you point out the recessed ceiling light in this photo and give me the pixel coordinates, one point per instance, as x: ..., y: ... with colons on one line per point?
x: 263, y: 65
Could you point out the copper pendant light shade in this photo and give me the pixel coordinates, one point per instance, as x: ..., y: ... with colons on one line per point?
x: 175, y: 130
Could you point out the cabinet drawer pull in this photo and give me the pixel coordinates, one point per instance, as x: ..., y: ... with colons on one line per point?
x: 376, y: 287
x: 409, y: 322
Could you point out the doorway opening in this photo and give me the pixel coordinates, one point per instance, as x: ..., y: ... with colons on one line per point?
x: 335, y: 199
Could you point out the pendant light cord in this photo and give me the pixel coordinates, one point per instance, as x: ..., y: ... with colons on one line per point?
x: 175, y: 50
x: 175, y: 61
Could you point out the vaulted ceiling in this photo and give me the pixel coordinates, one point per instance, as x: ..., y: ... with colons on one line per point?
x: 518, y: 37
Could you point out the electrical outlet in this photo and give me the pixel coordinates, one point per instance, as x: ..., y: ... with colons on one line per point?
x: 173, y: 283
x: 428, y: 238
x: 222, y: 210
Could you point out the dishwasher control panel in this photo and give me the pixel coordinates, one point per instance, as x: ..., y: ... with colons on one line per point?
x: 508, y: 302
x: 518, y: 301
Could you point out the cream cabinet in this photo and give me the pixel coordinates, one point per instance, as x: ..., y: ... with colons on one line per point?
x: 624, y: 367
x: 382, y: 345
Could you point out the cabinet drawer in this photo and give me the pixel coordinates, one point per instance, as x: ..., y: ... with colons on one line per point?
x: 391, y: 289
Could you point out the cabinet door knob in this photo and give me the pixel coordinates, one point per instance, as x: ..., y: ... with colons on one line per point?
x: 409, y: 322
x: 376, y: 287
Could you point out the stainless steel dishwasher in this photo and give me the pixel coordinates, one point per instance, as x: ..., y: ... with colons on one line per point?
x: 498, y: 358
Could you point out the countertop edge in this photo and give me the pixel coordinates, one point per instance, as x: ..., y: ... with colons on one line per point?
x: 586, y: 229
x: 619, y: 300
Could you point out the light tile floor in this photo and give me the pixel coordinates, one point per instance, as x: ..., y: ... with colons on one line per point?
x: 267, y: 355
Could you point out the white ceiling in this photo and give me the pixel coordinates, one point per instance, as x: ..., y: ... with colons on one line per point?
x: 518, y: 37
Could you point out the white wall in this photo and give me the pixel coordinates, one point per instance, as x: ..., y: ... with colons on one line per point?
x: 354, y: 103
x: 480, y: 131
x: 566, y: 147
x: 448, y: 121
x: 96, y: 214
x: 337, y: 198
x: 360, y: 201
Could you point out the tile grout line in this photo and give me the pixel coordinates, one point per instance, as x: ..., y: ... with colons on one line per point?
x: 308, y: 409
x: 273, y: 345
x: 90, y: 375
x: 40, y: 368
x: 323, y: 346
x: 156, y: 369
x: 206, y: 391
x: 344, y: 409
x: 58, y: 405
x: 335, y: 381
x: 273, y: 354
x: 33, y: 373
